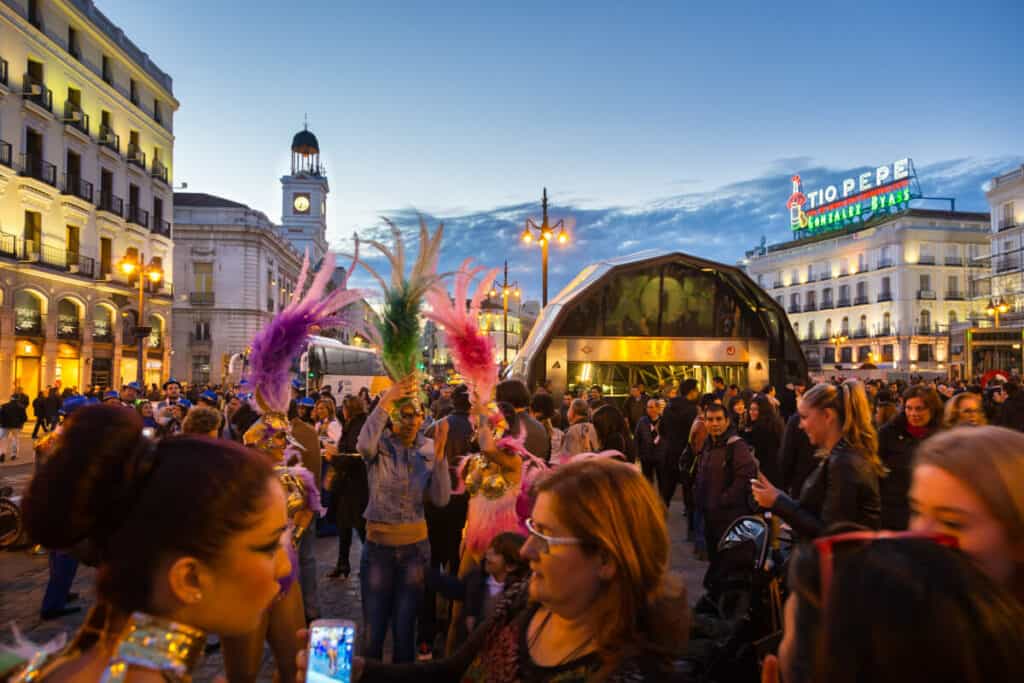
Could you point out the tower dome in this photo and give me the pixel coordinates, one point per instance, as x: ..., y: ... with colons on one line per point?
x: 305, y: 142
x: 306, y: 154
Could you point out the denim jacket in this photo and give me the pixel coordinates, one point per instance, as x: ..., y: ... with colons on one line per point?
x: 398, y: 475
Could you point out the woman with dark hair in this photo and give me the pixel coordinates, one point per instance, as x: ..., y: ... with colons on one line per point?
x: 145, y: 410
x: 898, y: 440
x: 738, y: 413
x: 844, y: 487
x: 764, y: 435
x: 542, y: 407
x: 870, y: 614
x: 612, y: 430
x: 350, y: 491
x: 171, y: 566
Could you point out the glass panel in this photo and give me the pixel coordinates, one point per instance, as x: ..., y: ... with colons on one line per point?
x: 615, y: 379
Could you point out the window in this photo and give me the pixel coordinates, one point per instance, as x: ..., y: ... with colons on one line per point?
x: 844, y: 268
x: 793, y: 277
x: 810, y: 272
x: 202, y: 330
x: 826, y: 297
x: 886, y: 292
x: 780, y: 301
x: 796, y: 330
x: 885, y: 257
x: 810, y: 330
x: 927, y: 254
x: 760, y: 280
x: 952, y: 286
x: 844, y: 295
x: 886, y: 324
x: 35, y: 71
x: 35, y: 15
x: 1008, y: 217
x: 72, y: 233
x: 926, y: 322
x: 202, y: 274
x: 200, y: 369
x: 828, y: 327
x: 862, y: 326
x: 158, y: 211
x: 73, y: 46
x: 106, y: 247
x: 951, y: 317
x: 887, y: 353
x: 846, y: 354
x: 133, y: 91
x: 862, y: 292
x: 794, y: 300
x: 812, y: 300
x: 108, y: 70
x: 862, y: 262
x: 33, y: 231
x: 828, y: 354
x: 270, y: 291
x: 925, y: 354
x: 158, y: 114
x: 844, y: 327
x: 925, y: 282
x: 863, y: 354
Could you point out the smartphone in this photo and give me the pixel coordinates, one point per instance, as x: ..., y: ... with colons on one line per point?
x: 148, y: 432
x: 331, y: 643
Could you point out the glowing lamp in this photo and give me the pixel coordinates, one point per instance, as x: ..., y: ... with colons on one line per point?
x: 563, y: 237
x: 127, y: 267
x: 527, y: 236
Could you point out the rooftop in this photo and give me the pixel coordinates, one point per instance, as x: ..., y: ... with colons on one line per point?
x: 203, y: 200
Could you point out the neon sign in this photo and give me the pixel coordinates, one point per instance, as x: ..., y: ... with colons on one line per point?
x: 887, y: 188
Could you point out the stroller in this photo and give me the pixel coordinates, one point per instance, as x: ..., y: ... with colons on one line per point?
x: 738, y: 619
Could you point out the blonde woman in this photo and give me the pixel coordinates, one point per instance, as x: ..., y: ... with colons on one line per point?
x: 964, y: 409
x: 844, y: 487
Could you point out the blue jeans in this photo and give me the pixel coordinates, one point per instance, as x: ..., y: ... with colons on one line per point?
x: 391, y: 579
x: 307, y: 574
x: 62, y: 575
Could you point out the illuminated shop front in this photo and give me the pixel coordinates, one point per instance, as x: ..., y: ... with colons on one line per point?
x: 657, y: 318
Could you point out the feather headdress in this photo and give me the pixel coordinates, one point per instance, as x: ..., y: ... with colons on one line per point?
x: 472, y: 350
x: 275, y: 346
x: 398, y: 325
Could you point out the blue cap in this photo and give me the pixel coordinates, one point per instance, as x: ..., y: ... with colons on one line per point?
x: 72, y: 403
x: 210, y: 396
x: 243, y: 382
x: 111, y: 394
x: 171, y: 381
x: 135, y: 386
x: 306, y: 401
x: 245, y: 397
x: 184, y: 403
x: 298, y: 384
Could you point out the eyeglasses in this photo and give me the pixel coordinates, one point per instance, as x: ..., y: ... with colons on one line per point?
x: 826, y: 557
x: 548, y: 541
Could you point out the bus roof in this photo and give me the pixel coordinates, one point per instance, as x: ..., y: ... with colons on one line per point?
x: 315, y: 340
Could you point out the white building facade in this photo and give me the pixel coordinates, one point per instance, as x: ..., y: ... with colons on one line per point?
x: 238, y: 272
x: 1005, y: 194
x: 86, y: 166
x: 882, y: 293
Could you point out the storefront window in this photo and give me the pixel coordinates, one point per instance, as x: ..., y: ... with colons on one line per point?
x: 156, y: 333
x: 28, y: 318
x: 67, y: 320
x: 615, y: 379
x: 103, y: 326
x: 200, y: 369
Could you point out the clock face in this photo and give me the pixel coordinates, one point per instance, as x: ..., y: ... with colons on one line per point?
x: 301, y: 203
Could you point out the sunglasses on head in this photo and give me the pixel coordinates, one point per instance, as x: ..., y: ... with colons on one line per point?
x: 827, y: 544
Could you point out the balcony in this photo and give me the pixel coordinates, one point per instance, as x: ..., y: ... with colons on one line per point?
x: 68, y: 329
x: 37, y: 93
x: 776, y: 285
x: 885, y: 331
x: 75, y: 117
x: 198, y: 340
x: 76, y: 187
x: 885, y: 296
x: 824, y: 276
x: 111, y: 203
x: 926, y: 294
x: 159, y: 171
x: 843, y: 302
x: 201, y: 298
x: 5, y: 154
x: 825, y: 305
x: 82, y: 265
x: 793, y: 308
x: 954, y: 261
x: 926, y: 260
x: 110, y: 139
x: 1007, y: 225
x: 42, y: 254
x: 860, y: 300
x: 810, y: 307
x: 860, y: 333
x: 955, y: 296
x: 162, y: 227
x: 884, y: 263
x: 1008, y: 263
x: 35, y: 167
x: 136, y: 156
x: 138, y: 216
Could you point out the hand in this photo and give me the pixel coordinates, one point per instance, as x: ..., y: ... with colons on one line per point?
x: 407, y: 387
x: 770, y: 669
x: 764, y: 493
x: 330, y: 450
x: 302, y: 659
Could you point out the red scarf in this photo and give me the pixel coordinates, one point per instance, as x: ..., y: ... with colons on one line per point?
x: 917, y: 432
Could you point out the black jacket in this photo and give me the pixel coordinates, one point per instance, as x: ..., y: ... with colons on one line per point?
x: 675, y: 426
x: 646, y: 449
x: 634, y: 409
x: 796, y: 458
x: 843, y: 488
x: 350, y: 490
x: 765, y: 443
x: 896, y: 449
x: 13, y: 415
x: 1011, y: 412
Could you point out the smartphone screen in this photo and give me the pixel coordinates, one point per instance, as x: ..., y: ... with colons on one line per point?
x: 330, y: 651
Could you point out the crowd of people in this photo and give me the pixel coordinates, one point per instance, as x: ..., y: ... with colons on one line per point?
x: 527, y: 539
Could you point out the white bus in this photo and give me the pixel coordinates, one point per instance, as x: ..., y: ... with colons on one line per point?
x: 346, y: 369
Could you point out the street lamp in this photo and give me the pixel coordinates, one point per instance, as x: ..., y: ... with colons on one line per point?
x: 507, y: 289
x: 995, y: 307
x: 545, y: 236
x: 153, y: 273
x: 837, y: 341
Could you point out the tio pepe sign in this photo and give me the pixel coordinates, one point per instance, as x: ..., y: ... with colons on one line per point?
x: 833, y: 206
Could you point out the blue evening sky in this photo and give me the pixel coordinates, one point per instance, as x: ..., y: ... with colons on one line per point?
x: 672, y: 125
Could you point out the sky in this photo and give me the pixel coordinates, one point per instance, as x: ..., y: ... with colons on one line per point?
x: 653, y: 125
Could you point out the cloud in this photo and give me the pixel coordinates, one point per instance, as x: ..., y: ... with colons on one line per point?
x: 720, y: 224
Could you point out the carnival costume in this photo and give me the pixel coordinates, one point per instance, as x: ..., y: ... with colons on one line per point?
x: 495, y: 490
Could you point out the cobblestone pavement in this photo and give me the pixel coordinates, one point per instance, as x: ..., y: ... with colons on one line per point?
x: 23, y: 578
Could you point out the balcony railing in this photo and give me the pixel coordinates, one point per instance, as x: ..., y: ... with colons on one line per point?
x: 885, y: 296
x: 74, y: 116
x: 926, y: 261
x: 138, y: 215
x: 3, y: 72
x: 926, y: 294
x: 136, y: 156
x: 159, y: 171
x: 111, y: 203
x: 201, y: 298
x: 955, y: 296
x: 810, y: 306
x: 36, y: 92
x: 885, y: 332
x: 1007, y: 263
x: 162, y: 227
x: 884, y: 263
x: 843, y: 302
x: 76, y: 186
x: 860, y: 300
x: 824, y: 276
x: 5, y: 154
x: 793, y: 308
x: 35, y: 167
x: 825, y: 305
x: 8, y: 245
x: 776, y: 285
x: 1007, y: 225
x: 954, y: 261
x: 860, y: 333
x: 110, y: 139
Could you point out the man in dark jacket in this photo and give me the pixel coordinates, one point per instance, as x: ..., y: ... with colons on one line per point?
x: 675, y: 431
x: 1011, y: 413
x: 12, y: 418
x: 650, y: 446
x: 796, y: 458
x: 723, y: 478
x: 514, y: 391
x: 635, y: 406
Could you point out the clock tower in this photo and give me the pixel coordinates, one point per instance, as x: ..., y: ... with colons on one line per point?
x: 304, y: 198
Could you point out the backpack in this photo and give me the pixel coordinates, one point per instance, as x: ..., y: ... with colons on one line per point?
x: 7, y: 415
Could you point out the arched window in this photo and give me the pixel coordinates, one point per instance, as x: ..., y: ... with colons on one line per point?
x: 156, y: 332
x: 952, y: 318
x: 28, y: 314
x: 129, y: 319
x: 828, y: 327
x: 886, y: 324
x: 103, y: 325
x: 796, y: 330
x: 862, y: 326
x: 926, y: 322
x: 810, y: 330
x: 844, y: 326
x: 68, y: 319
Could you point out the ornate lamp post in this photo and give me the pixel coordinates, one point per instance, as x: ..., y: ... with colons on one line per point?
x: 153, y: 273
x: 837, y: 341
x: 995, y: 307
x: 544, y: 238
x: 507, y: 289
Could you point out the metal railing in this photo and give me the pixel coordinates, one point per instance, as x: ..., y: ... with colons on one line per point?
x: 162, y: 227
x: 860, y: 333
x: 1007, y: 225
x: 35, y: 167
x: 926, y: 294
x: 111, y: 203
x: 776, y: 285
x: 860, y: 300
x: 793, y: 308
x: 74, y: 116
x: 955, y: 296
x: 110, y: 139
x: 36, y: 92
x: 136, y: 156
x: 843, y: 302
x: 1008, y: 263
x: 198, y: 339
x: 954, y: 261
x: 884, y: 296
x: 884, y: 263
x: 885, y: 332
x: 159, y: 171
x: 810, y: 306
x: 5, y: 154
x: 826, y: 304
x: 138, y: 215
x: 825, y: 276
x: 43, y: 254
x: 926, y: 260
x: 76, y: 186
x: 201, y: 298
